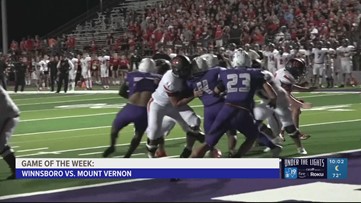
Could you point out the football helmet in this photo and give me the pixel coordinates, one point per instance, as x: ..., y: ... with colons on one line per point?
x: 199, y: 65
x: 181, y: 66
x: 147, y: 65
x: 162, y: 66
x: 241, y: 59
x: 296, y: 67
x: 211, y: 60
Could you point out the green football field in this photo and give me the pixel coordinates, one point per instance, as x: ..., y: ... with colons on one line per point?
x: 78, y: 125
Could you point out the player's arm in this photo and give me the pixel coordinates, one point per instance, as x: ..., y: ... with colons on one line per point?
x: 123, y: 90
x: 177, y: 99
x: 303, y: 89
x: 271, y: 94
x: 71, y: 65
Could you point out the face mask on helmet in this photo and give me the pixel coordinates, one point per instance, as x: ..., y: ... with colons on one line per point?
x: 147, y: 65
x: 199, y: 65
x: 211, y: 60
x: 241, y: 59
x: 181, y: 66
x: 296, y: 67
x: 162, y: 66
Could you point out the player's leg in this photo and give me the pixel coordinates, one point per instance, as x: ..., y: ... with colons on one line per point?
x: 7, y: 128
x: 140, y: 125
x: 244, y: 122
x: 167, y: 125
x: 315, y: 74
x: 122, y: 119
x: 156, y: 114
x: 190, y: 123
x: 292, y: 130
x: 348, y: 72
x: 219, y: 127
x: 320, y: 74
x: 232, y: 141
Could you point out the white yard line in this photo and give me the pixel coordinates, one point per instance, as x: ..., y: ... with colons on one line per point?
x: 67, y: 101
x: 90, y: 153
x: 133, y: 155
x: 64, y: 117
x: 57, y: 96
x: 30, y: 150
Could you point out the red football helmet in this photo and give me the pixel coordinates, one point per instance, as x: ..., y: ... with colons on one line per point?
x: 297, y: 67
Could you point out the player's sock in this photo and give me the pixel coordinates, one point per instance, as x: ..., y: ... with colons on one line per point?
x: 9, y: 157
x: 152, y: 148
x: 185, y: 153
x: 331, y: 82
x: 197, y: 135
x: 72, y: 86
x: 133, y: 146
x: 111, y: 148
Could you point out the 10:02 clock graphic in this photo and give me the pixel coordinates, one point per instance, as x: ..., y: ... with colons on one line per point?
x: 337, y: 168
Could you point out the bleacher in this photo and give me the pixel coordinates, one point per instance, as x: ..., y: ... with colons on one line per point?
x: 111, y: 21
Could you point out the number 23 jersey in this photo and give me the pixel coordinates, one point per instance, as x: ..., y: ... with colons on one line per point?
x: 241, y: 85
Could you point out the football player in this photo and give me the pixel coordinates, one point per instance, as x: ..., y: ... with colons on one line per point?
x: 346, y: 51
x: 137, y: 88
x: 330, y: 66
x: 104, y: 70
x: 319, y: 56
x: 205, y: 71
x: 9, y: 118
x: 270, y: 56
x: 281, y: 58
x: 169, y: 99
x: 85, y: 70
x: 287, y: 78
x: 72, y: 72
x: 240, y: 85
x: 281, y: 116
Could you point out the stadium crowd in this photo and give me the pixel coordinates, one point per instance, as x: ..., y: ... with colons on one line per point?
x: 197, y: 27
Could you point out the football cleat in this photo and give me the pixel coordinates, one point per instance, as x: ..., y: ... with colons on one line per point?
x: 267, y: 149
x: 199, y: 136
x: 108, y: 151
x: 276, y: 151
x: 215, y: 153
x: 302, y: 151
x: 186, y: 153
x: 160, y: 154
x: 304, y: 136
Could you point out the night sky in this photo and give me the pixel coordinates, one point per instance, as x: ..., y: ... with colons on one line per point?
x: 31, y: 17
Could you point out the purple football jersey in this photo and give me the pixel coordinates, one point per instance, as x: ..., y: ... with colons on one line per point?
x: 140, y: 82
x: 207, y: 82
x: 241, y: 85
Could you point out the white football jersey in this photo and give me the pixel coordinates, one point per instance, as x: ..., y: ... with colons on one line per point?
x: 319, y: 55
x: 271, y: 60
x: 282, y: 60
x: 346, y: 52
x: 75, y: 61
x: 281, y: 93
x: 85, y: 63
x: 44, y: 65
x: 103, y: 60
x: 282, y: 76
x: 169, y: 84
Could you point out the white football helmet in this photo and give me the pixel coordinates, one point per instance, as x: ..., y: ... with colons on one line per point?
x: 211, y: 59
x: 241, y: 59
x: 199, y: 64
x: 147, y: 65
